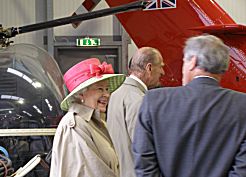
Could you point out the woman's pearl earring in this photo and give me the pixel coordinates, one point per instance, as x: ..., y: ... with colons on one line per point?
x: 82, y: 101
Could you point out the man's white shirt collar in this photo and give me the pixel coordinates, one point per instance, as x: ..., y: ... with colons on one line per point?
x: 205, y: 76
x: 139, y: 80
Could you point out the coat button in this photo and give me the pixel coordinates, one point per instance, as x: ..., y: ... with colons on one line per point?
x: 71, y: 123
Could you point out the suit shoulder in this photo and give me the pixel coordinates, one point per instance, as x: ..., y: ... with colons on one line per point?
x: 125, y: 89
x: 162, y: 90
x: 235, y: 93
x: 238, y: 95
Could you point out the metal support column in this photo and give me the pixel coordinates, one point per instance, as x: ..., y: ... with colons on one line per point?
x: 50, y: 31
x: 118, y: 30
x: 125, y: 41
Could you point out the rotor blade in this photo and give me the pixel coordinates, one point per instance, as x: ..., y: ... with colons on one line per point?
x: 82, y: 17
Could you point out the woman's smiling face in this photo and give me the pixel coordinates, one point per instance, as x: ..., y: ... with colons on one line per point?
x: 97, y: 96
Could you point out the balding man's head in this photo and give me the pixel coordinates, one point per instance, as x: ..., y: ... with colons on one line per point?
x: 143, y: 56
x: 147, y: 64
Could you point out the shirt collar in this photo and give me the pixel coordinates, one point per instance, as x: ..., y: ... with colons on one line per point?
x: 85, y: 112
x: 139, y: 80
x: 205, y: 76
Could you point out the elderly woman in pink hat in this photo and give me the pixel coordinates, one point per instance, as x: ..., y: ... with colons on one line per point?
x: 82, y: 146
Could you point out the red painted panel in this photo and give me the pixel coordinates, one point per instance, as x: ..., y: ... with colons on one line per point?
x: 167, y: 29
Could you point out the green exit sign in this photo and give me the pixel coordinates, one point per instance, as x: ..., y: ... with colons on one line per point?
x: 88, y: 42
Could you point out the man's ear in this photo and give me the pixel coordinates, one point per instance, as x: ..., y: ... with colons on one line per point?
x: 148, y: 67
x: 193, y: 63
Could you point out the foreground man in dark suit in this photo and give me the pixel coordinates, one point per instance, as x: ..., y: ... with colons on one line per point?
x: 197, y: 130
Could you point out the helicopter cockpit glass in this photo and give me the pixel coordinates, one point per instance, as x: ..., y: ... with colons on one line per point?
x: 31, y: 88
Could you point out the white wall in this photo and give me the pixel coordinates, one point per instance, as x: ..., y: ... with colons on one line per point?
x: 14, y: 13
x: 236, y: 9
x: 99, y: 26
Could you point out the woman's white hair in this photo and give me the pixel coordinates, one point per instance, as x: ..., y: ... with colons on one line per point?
x: 75, y: 98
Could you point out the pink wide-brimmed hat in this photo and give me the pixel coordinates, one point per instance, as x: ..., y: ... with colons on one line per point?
x: 86, y: 73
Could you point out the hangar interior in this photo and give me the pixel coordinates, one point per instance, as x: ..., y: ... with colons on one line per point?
x: 61, y: 43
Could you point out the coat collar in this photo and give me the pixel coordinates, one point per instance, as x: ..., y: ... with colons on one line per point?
x: 204, y: 80
x: 85, y: 112
x: 135, y: 83
x: 139, y: 81
x: 91, y: 116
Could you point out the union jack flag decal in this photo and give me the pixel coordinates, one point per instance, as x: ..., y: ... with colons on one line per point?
x: 161, y: 4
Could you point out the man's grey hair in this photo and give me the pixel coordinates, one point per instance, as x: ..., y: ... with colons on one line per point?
x: 211, y: 53
x: 142, y: 57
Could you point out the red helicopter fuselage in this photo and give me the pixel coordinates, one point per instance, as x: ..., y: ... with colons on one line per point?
x: 166, y: 24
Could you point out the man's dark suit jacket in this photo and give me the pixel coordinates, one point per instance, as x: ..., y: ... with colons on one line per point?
x: 197, y: 130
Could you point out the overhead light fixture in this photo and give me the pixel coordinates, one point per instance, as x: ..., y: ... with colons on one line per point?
x: 27, y: 113
x: 21, y: 101
x: 6, y: 109
x: 37, y: 109
x: 11, y: 97
x: 35, y: 84
x: 48, y: 104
